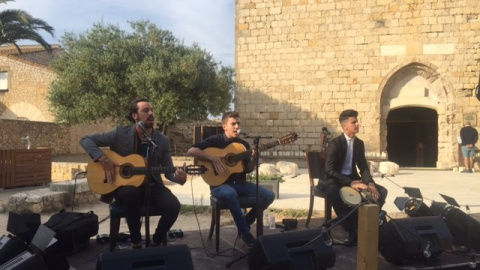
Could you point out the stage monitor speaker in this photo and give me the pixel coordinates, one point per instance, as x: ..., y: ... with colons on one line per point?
x: 464, y: 228
x: 11, y: 247
x: 153, y: 258
x: 405, y: 240
x: 24, y: 261
x: 292, y: 251
x: 23, y: 226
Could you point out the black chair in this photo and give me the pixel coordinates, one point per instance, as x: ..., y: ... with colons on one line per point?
x: 316, y: 170
x: 217, y: 205
x: 117, y: 212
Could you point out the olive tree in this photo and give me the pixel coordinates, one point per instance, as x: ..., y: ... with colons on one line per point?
x: 103, y: 69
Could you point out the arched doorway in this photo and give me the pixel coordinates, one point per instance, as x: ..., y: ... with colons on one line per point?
x: 412, y: 137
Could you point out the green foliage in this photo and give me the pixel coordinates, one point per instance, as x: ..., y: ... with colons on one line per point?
x: 16, y: 25
x: 105, y: 68
x: 265, y: 177
x: 291, y: 213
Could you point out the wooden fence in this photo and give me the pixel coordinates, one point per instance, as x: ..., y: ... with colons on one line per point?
x: 20, y: 168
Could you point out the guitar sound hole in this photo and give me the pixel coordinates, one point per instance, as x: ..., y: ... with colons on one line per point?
x: 126, y: 171
x: 229, y: 161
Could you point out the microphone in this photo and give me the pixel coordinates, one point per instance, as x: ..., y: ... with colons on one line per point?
x: 239, y: 131
x: 145, y: 133
x: 142, y: 126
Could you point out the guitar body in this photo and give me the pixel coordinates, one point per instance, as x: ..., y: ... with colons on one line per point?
x: 129, y: 171
x: 96, y: 176
x: 211, y: 177
x: 233, y: 156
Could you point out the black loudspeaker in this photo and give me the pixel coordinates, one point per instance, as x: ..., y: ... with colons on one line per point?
x: 405, y: 240
x: 153, y: 258
x: 292, y: 251
x: 23, y: 226
x: 464, y: 228
x: 25, y: 261
x: 10, y: 247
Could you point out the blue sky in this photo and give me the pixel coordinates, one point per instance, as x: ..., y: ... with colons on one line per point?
x: 209, y: 23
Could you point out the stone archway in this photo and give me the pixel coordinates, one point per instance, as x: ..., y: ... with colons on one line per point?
x: 418, y: 87
x: 412, y: 138
x: 23, y: 111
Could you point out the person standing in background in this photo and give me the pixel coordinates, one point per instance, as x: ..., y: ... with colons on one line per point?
x: 469, y: 137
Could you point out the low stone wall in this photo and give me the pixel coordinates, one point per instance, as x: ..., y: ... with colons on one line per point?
x: 53, y: 198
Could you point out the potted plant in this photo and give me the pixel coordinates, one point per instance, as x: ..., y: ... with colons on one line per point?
x: 268, y: 181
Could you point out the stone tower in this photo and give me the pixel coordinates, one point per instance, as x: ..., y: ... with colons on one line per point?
x: 408, y: 66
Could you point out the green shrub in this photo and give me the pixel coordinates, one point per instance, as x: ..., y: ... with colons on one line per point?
x: 265, y: 177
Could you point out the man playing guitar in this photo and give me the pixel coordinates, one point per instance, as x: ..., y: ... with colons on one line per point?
x: 235, y: 184
x: 127, y: 140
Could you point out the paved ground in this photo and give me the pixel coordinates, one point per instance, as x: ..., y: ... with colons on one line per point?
x: 293, y: 195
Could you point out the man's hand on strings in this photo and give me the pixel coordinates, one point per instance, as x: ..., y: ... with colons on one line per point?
x: 109, y: 169
x: 219, y: 164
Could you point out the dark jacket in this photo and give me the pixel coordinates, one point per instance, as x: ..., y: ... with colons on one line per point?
x: 335, y: 155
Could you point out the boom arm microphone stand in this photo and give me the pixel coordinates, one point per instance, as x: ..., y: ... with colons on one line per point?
x: 152, y: 146
x: 256, y: 141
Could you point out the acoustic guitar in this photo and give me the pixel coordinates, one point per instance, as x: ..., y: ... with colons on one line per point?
x: 131, y: 172
x: 233, y: 155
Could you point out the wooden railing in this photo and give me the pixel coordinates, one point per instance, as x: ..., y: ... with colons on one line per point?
x: 24, y: 167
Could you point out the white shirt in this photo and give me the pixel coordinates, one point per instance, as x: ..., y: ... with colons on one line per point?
x: 347, y: 164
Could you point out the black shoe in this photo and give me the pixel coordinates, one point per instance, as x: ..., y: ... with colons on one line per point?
x: 382, y: 218
x: 351, y: 240
x: 327, y: 238
x: 248, y: 239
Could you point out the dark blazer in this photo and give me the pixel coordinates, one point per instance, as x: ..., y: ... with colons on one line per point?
x: 335, y: 155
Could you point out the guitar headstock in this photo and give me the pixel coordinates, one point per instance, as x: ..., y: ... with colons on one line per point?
x: 195, y: 169
x: 289, y: 138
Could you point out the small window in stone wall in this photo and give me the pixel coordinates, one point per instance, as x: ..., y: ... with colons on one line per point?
x: 3, y: 81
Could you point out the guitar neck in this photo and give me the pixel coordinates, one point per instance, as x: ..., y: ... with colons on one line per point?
x: 248, y: 153
x: 154, y: 170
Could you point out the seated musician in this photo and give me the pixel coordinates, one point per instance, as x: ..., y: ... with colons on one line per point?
x: 127, y: 140
x: 236, y: 184
x: 343, y: 155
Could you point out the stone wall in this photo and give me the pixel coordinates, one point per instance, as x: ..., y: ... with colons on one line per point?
x: 300, y: 63
x: 28, y: 84
x: 61, y: 139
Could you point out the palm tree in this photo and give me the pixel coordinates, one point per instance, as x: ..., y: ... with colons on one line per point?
x: 16, y: 25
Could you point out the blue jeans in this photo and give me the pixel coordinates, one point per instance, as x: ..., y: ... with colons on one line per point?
x: 230, y: 193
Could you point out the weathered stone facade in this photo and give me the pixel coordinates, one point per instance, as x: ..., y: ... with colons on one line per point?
x: 28, y: 84
x: 299, y: 63
x: 25, y: 117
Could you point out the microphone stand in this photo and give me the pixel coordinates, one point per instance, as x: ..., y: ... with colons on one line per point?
x: 152, y: 146
x: 256, y: 141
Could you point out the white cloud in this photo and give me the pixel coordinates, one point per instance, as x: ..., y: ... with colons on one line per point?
x: 209, y: 23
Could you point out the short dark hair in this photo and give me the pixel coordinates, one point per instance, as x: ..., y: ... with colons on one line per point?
x: 347, y: 114
x: 230, y: 114
x: 134, y: 107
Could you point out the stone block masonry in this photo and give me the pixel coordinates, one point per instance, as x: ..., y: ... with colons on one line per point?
x: 57, y: 196
x: 300, y: 63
